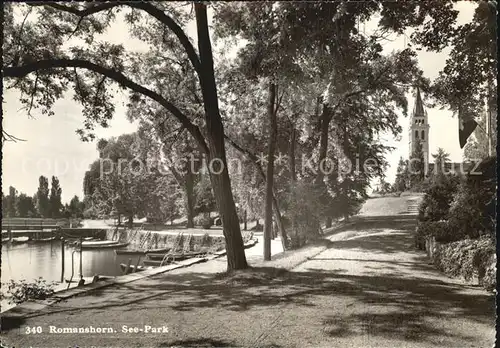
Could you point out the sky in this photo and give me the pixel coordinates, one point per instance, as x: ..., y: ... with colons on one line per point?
x: 52, y: 147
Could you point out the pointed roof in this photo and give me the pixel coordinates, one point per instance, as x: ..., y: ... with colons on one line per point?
x: 419, y: 105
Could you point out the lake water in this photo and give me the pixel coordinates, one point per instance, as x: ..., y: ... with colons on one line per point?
x: 30, y: 261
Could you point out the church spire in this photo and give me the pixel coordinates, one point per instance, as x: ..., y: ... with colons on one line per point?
x: 418, y: 111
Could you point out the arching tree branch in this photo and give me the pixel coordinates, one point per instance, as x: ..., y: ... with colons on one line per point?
x: 121, y: 79
x: 147, y: 7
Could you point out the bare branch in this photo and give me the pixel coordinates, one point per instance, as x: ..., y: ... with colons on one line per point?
x: 247, y: 153
x: 9, y: 137
x: 278, y: 104
x: 117, y: 76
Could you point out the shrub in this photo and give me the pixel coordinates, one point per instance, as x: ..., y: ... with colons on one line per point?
x: 204, y: 221
x: 305, y: 208
x: 21, y: 291
x: 440, y: 230
x: 472, y: 211
x: 468, y: 259
x: 438, y: 197
x: 90, y: 213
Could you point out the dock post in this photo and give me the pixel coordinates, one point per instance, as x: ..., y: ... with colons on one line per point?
x: 128, y: 266
x: 62, y: 259
x: 9, y: 230
x: 81, y: 261
x: 137, y: 264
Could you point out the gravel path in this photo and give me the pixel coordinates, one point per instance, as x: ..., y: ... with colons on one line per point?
x: 366, y: 288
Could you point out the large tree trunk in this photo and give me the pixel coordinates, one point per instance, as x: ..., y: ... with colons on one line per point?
x: 293, y: 178
x: 323, y: 150
x: 323, y: 143
x: 270, y: 172
x: 279, y: 222
x: 217, y: 154
x: 245, y: 225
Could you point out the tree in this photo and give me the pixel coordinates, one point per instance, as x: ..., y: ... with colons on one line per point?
x: 205, y: 202
x: 75, y: 207
x: 55, y: 198
x: 470, y: 74
x: 417, y: 166
x: 441, y: 161
x: 438, y: 198
x: 25, y: 206
x: 42, y: 54
x: 9, y: 203
x: 42, y: 197
x: 401, y: 182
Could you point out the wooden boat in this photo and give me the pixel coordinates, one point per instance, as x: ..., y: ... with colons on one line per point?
x: 97, y: 242
x: 156, y: 263
x: 180, y: 256
x: 132, y: 269
x: 43, y: 240
x: 88, y: 280
x: 19, y: 240
x: 141, y: 251
x: 5, y: 240
x: 103, y: 246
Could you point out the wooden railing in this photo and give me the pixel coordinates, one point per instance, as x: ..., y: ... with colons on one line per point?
x: 29, y: 223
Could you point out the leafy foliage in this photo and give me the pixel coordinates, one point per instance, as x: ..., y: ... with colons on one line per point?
x: 402, y: 181
x: 471, y: 69
x: 468, y: 259
x: 417, y: 165
x: 21, y: 291
x: 437, y: 200
x: 42, y: 197
x: 55, y: 198
x: 472, y: 211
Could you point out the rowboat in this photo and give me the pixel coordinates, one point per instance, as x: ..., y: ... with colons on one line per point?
x: 141, y: 252
x: 183, y: 256
x: 43, y: 240
x: 157, y: 263
x: 97, y: 242
x: 88, y: 280
x: 132, y: 269
x: 103, y: 246
x: 19, y: 240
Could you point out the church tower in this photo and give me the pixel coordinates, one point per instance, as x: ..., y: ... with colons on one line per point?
x: 419, y: 128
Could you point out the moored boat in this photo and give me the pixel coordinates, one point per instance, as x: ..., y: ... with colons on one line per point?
x: 43, y: 240
x: 157, y: 263
x: 97, y: 243
x: 180, y: 256
x: 141, y: 251
x: 88, y: 280
x: 102, y: 245
x: 19, y: 240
